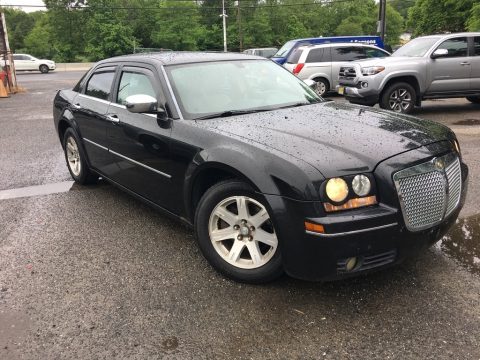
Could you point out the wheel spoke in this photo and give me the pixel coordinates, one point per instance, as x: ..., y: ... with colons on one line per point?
x: 70, y: 147
x: 242, y: 207
x: 236, y: 250
x: 254, y: 251
x: 259, y: 218
x: 223, y: 234
x: 226, y: 215
x: 265, y: 237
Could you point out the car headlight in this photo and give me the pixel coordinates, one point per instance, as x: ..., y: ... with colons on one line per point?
x: 336, y: 189
x: 372, y: 70
x: 361, y: 185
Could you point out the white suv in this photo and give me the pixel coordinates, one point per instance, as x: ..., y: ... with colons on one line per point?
x: 321, y: 63
x: 25, y: 62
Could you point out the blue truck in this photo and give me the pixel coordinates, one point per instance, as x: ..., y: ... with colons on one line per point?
x: 281, y: 56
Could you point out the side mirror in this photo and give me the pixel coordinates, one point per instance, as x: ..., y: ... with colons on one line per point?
x: 141, y: 104
x: 310, y: 83
x: 439, y: 53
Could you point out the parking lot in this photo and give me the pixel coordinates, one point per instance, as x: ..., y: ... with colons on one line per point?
x: 92, y: 273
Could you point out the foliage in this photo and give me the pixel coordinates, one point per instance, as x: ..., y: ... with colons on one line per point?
x: 473, y: 23
x: 73, y: 30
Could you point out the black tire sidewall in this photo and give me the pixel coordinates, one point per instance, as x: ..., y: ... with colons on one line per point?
x: 42, y: 69
x: 268, y: 272
x: 474, y: 99
x: 85, y: 175
x: 384, y: 101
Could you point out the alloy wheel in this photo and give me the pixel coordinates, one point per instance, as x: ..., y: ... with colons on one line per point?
x: 73, y: 156
x: 400, y: 100
x: 242, y: 233
x: 320, y: 88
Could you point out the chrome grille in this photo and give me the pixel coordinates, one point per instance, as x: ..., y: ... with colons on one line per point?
x: 454, y: 178
x: 347, y: 73
x: 430, y: 191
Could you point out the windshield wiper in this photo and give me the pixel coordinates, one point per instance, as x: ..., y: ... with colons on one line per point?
x: 296, y: 105
x: 229, y: 113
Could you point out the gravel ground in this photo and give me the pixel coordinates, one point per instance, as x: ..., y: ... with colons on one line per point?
x: 94, y: 274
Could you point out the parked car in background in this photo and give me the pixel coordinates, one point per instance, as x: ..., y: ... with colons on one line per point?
x: 321, y: 63
x: 282, y: 55
x: 25, y: 62
x: 264, y: 52
x: 429, y: 67
x: 270, y: 176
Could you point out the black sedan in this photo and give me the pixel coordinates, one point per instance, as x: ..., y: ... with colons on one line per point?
x: 271, y: 177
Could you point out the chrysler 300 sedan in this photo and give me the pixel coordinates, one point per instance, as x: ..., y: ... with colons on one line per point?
x: 271, y: 177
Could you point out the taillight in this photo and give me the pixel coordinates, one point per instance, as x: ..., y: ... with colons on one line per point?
x: 298, y: 68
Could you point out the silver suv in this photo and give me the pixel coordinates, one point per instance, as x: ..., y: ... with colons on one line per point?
x: 321, y: 63
x: 429, y: 67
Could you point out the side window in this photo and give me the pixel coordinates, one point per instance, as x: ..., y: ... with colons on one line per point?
x: 132, y: 83
x: 17, y: 57
x: 99, y: 85
x: 315, y: 55
x: 375, y: 53
x: 348, y: 53
x: 476, y: 44
x: 457, y: 47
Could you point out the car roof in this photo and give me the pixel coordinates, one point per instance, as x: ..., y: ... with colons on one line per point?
x: 182, y: 57
x: 316, y: 46
x: 451, y: 35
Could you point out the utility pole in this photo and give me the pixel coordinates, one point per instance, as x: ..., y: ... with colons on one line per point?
x: 6, y: 56
x: 240, y: 30
x: 224, y: 16
x: 382, y: 13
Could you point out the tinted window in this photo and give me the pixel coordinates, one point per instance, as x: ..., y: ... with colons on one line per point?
x: 316, y: 55
x: 456, y: 47
x: 99, y: 85
x: 375, y: 53
x: 17, y: 57
x: 134, y: 84
x: 476, y: 43
x: 294, y: 56
x: 348, y: 53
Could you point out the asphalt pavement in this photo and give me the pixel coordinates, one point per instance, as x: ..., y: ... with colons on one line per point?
x: 92, y: 273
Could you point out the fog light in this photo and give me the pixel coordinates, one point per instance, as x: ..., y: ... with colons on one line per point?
x: 350, y: 263
x: 364, y: 84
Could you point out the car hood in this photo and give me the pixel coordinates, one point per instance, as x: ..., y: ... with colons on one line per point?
x: 390, y: 60
x: 337, y: 139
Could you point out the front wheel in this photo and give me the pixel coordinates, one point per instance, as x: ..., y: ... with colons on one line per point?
x: 236, y: 235
x: 474, y: 99
x: 43, y: 69
x: 399, y: 97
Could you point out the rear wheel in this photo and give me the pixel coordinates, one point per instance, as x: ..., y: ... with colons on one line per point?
x: 321, y: 86
x: 474, y: 99
x: 236, y: 234
x: 76, y: 161
x: 399, y: 97
x: 43, y: 69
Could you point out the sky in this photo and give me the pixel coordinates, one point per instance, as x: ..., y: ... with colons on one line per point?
x: 24, y: 2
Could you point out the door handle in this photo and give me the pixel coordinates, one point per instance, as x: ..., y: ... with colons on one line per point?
x: 77, y: 106
x: 113, y: 119
x: 465, y: 63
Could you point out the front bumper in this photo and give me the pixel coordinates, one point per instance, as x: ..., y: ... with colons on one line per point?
x: 52, y: 67
x: 376, y: 236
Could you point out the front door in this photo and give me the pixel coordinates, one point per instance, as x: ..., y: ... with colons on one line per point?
x: 139, y: 143
x: 451, y: 73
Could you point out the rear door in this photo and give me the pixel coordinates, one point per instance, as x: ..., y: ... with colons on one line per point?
x: 90, y: 108
x: 318, y: 63
x: 475, y: 65
x: 450, y: 73
x: 20, y: 62
x: 139, y: 143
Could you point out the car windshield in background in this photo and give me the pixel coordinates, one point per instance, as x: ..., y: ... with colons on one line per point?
x: 416, y: 47
x: 285, y: 49
x: 226, y: 88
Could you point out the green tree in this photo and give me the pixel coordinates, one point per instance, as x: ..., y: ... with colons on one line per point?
x: 473, y: 23
x: 39, y: 40
x: 19, y: 24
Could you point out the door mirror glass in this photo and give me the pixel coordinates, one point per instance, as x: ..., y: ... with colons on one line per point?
x: 439, y: 53
x: 141, y: 103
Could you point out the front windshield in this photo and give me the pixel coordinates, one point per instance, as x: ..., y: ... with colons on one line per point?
x: 209, y: 88
x: 417, y: 47
x: 284, y: 49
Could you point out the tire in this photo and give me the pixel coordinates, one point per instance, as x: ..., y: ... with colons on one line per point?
x: 399, y: 97
x: 43, y: 69
x: 241, y: 252
x: 76, y: 159
x: 321, y: 86
x: 474, y: 99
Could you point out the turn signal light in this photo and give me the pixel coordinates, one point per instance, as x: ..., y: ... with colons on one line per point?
x: 351, y: 204
x: 314, y: 227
